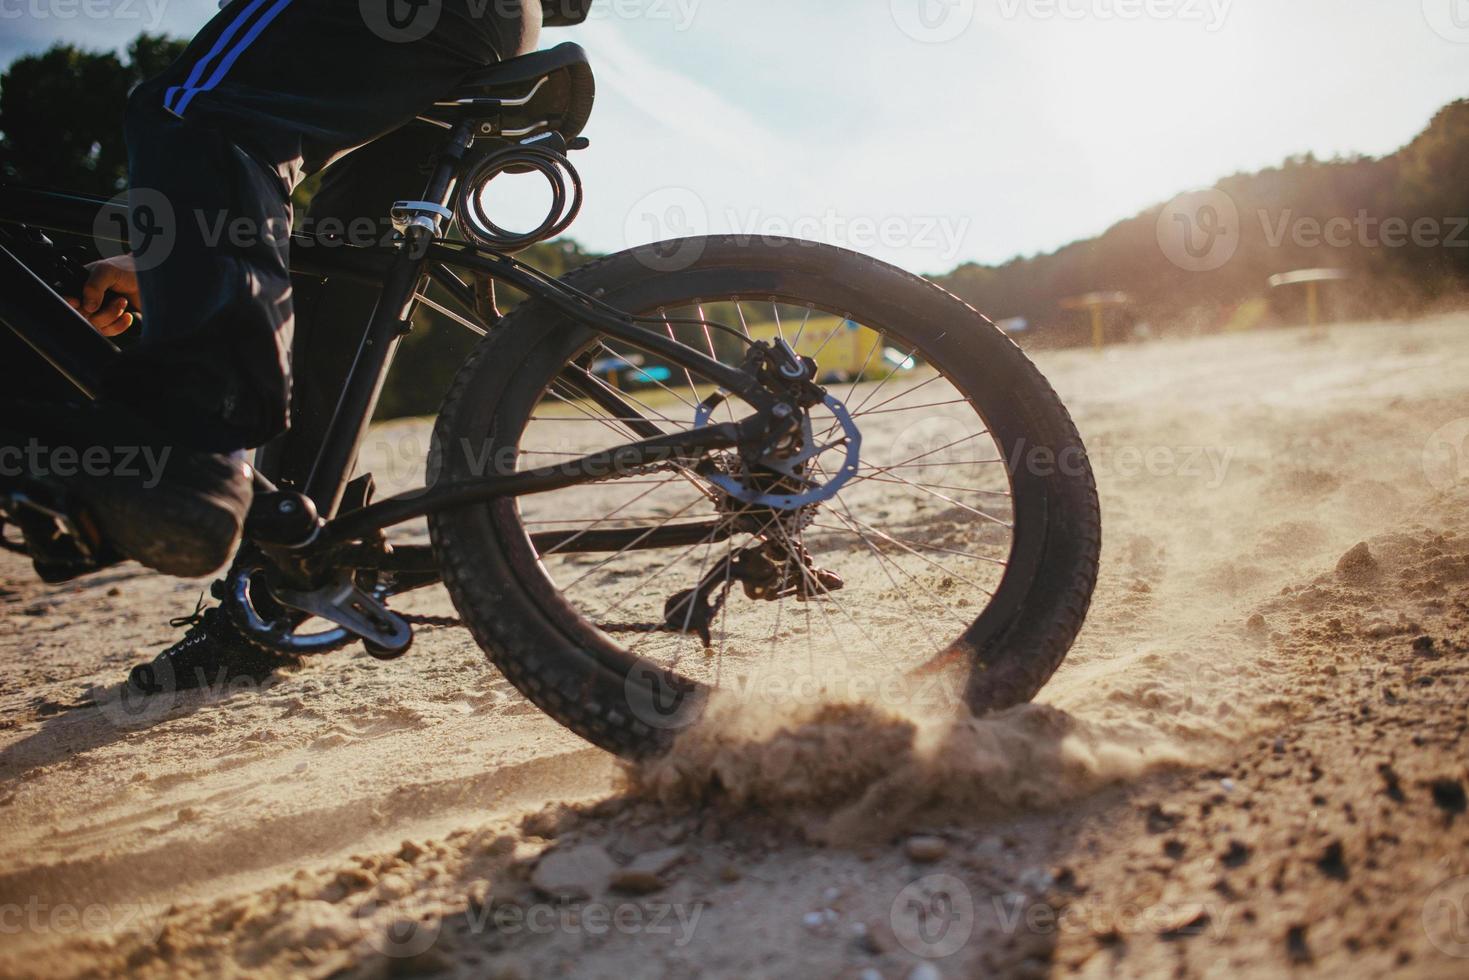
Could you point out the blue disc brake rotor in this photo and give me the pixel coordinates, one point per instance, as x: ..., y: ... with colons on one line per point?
x: 818, y: 493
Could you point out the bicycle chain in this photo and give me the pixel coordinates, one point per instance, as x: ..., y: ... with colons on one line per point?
x: 433, y: 622
x: 453, y: 622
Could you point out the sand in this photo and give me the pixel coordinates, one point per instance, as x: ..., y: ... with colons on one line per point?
x: 1253, y: 763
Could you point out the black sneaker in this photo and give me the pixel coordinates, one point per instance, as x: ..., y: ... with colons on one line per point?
x: 177, y: 510
x: 212, y: 653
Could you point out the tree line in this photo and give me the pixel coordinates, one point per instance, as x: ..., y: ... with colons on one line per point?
x: 1397, y: 224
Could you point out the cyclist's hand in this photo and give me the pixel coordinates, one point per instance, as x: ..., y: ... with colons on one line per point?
x: 109, y: 314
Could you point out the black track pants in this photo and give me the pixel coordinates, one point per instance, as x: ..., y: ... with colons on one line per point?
x: 270, y: 92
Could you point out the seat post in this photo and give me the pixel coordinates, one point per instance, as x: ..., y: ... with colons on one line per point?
x: 432, y: 212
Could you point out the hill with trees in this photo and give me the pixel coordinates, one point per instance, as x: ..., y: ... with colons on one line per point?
x: 1398, y: 224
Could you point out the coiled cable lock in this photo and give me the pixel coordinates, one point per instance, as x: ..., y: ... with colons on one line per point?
x: 545, y: 155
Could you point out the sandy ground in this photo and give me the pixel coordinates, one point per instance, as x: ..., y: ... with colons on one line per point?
x: 1253, y: 762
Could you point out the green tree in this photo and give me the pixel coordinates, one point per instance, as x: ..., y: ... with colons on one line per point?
x: 61, y: 113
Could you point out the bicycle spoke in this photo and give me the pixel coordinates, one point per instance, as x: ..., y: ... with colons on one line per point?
x: 898, y: 585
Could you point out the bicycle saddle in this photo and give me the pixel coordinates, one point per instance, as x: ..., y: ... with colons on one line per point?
x: 545, y: 91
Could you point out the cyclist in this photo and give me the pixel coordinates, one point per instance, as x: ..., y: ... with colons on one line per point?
x: 268, y: 93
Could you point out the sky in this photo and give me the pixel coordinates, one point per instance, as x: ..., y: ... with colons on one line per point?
x: 936, y: 132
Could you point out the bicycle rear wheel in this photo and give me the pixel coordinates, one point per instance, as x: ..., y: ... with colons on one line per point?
x: 964, y: 548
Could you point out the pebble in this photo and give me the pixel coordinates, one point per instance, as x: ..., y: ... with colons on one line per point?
x: 632, y: 881
x: 574, y: 873
x: 1036, y: 879
x: 1359, y: 563
x: 1448, y: 795
x: 926, y: 850
x: 876, y: 937
x: 925, y: 971
x: 657, y: 862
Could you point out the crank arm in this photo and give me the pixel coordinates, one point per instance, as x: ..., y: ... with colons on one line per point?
x: 359, y: 613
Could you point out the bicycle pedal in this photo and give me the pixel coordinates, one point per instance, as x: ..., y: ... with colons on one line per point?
x: 386, y: 635
x: 61, y: 540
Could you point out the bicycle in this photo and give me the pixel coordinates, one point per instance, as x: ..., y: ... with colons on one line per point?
x: 931, y: 513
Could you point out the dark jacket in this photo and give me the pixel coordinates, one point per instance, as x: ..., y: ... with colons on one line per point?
x: 565, y: 13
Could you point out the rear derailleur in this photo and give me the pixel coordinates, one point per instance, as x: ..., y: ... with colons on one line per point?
x: 768, y: 571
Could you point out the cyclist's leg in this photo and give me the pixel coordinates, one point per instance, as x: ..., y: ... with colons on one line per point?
x: 331, y: 318
x: 268, y: 93
x: 353, y: 201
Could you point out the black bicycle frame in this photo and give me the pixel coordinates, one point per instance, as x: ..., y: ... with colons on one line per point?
x: 61, y: 336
